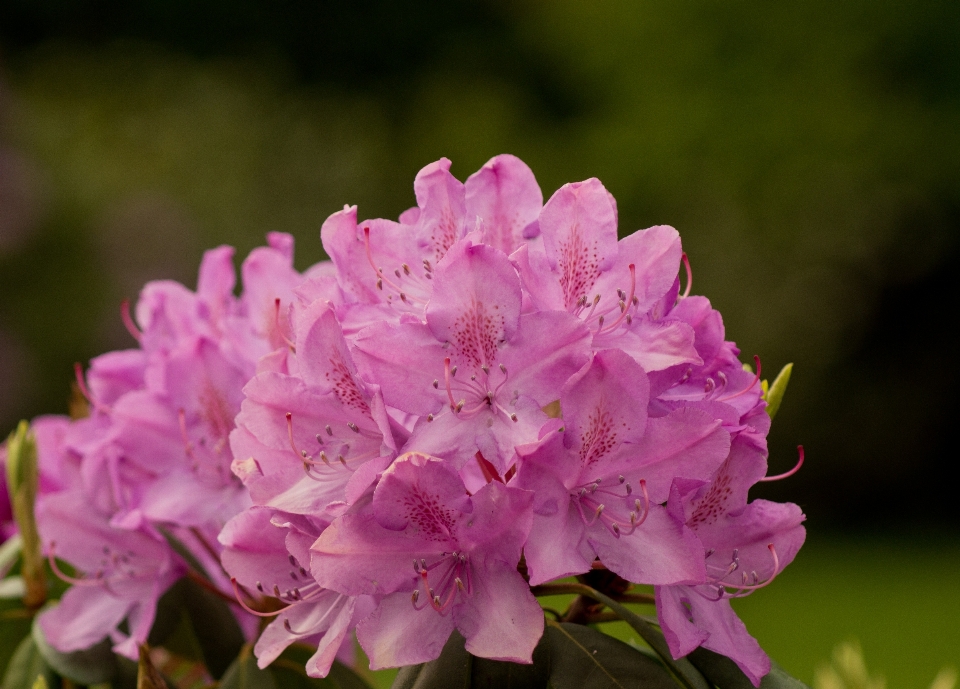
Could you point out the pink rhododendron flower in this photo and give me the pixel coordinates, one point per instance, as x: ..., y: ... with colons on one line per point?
x: 746, y: 546
x: 465, y: 551
x: 478, y: 371
x: 448, y: 338
x: 154, y: 453
x: 485, y: 395
x: 600, y: 480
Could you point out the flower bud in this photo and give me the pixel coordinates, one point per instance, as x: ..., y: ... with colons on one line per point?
x: 22, y: 482
x: 774, y: 393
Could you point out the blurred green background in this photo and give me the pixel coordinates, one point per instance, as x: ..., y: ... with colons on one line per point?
x: 809, y: 154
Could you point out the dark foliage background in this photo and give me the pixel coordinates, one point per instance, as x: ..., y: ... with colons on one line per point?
x: 809, y: 153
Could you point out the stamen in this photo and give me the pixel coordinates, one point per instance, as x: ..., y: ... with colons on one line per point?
x: 776, y: 571
x: 686, y: 264
x: 446, y: 379
x: 623, y: 309
x: 236, y: 593
x: 381, y: 277
x: 75, y: 581
x: 756, y: 379
x: 128, y: 320
x: 790, y: 473
x: 85, y: 391
x: 187, y: 443
x: 301, y: 453
x: 276, y: 323
x: 291, y: 630
x: 353, y: 427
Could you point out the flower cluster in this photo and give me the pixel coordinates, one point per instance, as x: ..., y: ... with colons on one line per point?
x: 147, y: 470
x: 489, y: 394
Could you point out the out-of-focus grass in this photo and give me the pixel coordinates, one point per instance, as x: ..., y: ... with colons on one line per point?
x: 899, y: 598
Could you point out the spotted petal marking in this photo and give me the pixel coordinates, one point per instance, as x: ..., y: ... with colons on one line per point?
x: 579, y: 226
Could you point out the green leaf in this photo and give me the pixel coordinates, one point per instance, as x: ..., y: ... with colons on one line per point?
x: 90, y: 666
x: 345, y: 677
x: 14, y: 626
x: 688, y: 675
x: 183, y: 551
x: 148, y: 677
x: 779, y: 679
x: 774, y: 395
x: 9, y: 552
x: 583, y: 658
x: 719, y: 669
x: 198, y: 625
x: 451, y: 669
x: 171, y: 621
x: 290, y: 672
x: 243, y: 673
x: 725, y: 674
x: 26, y: 665
x: 40, y: 683
x: 457, y: 668
x: 13, y: 588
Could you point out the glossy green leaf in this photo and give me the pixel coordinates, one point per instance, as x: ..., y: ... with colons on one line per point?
x: 243, y: 673
x: 724, y: 673
x: 779, y: 679
x: 289, y: 671
x: 457, y: 668
x: 345, y: 677
x: 688, y: 675
x: 148, y: 677
x: 774, y: 395
x: 719, y: 670
x: 584, y: 658
x: 569, y: 656
x: 171, y: 625
x: 26, y: 665
x: 217, y: 632
x: 451, y: 669
x: 90, y: 666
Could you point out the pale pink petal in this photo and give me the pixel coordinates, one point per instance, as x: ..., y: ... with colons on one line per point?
x: 505, y: 195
